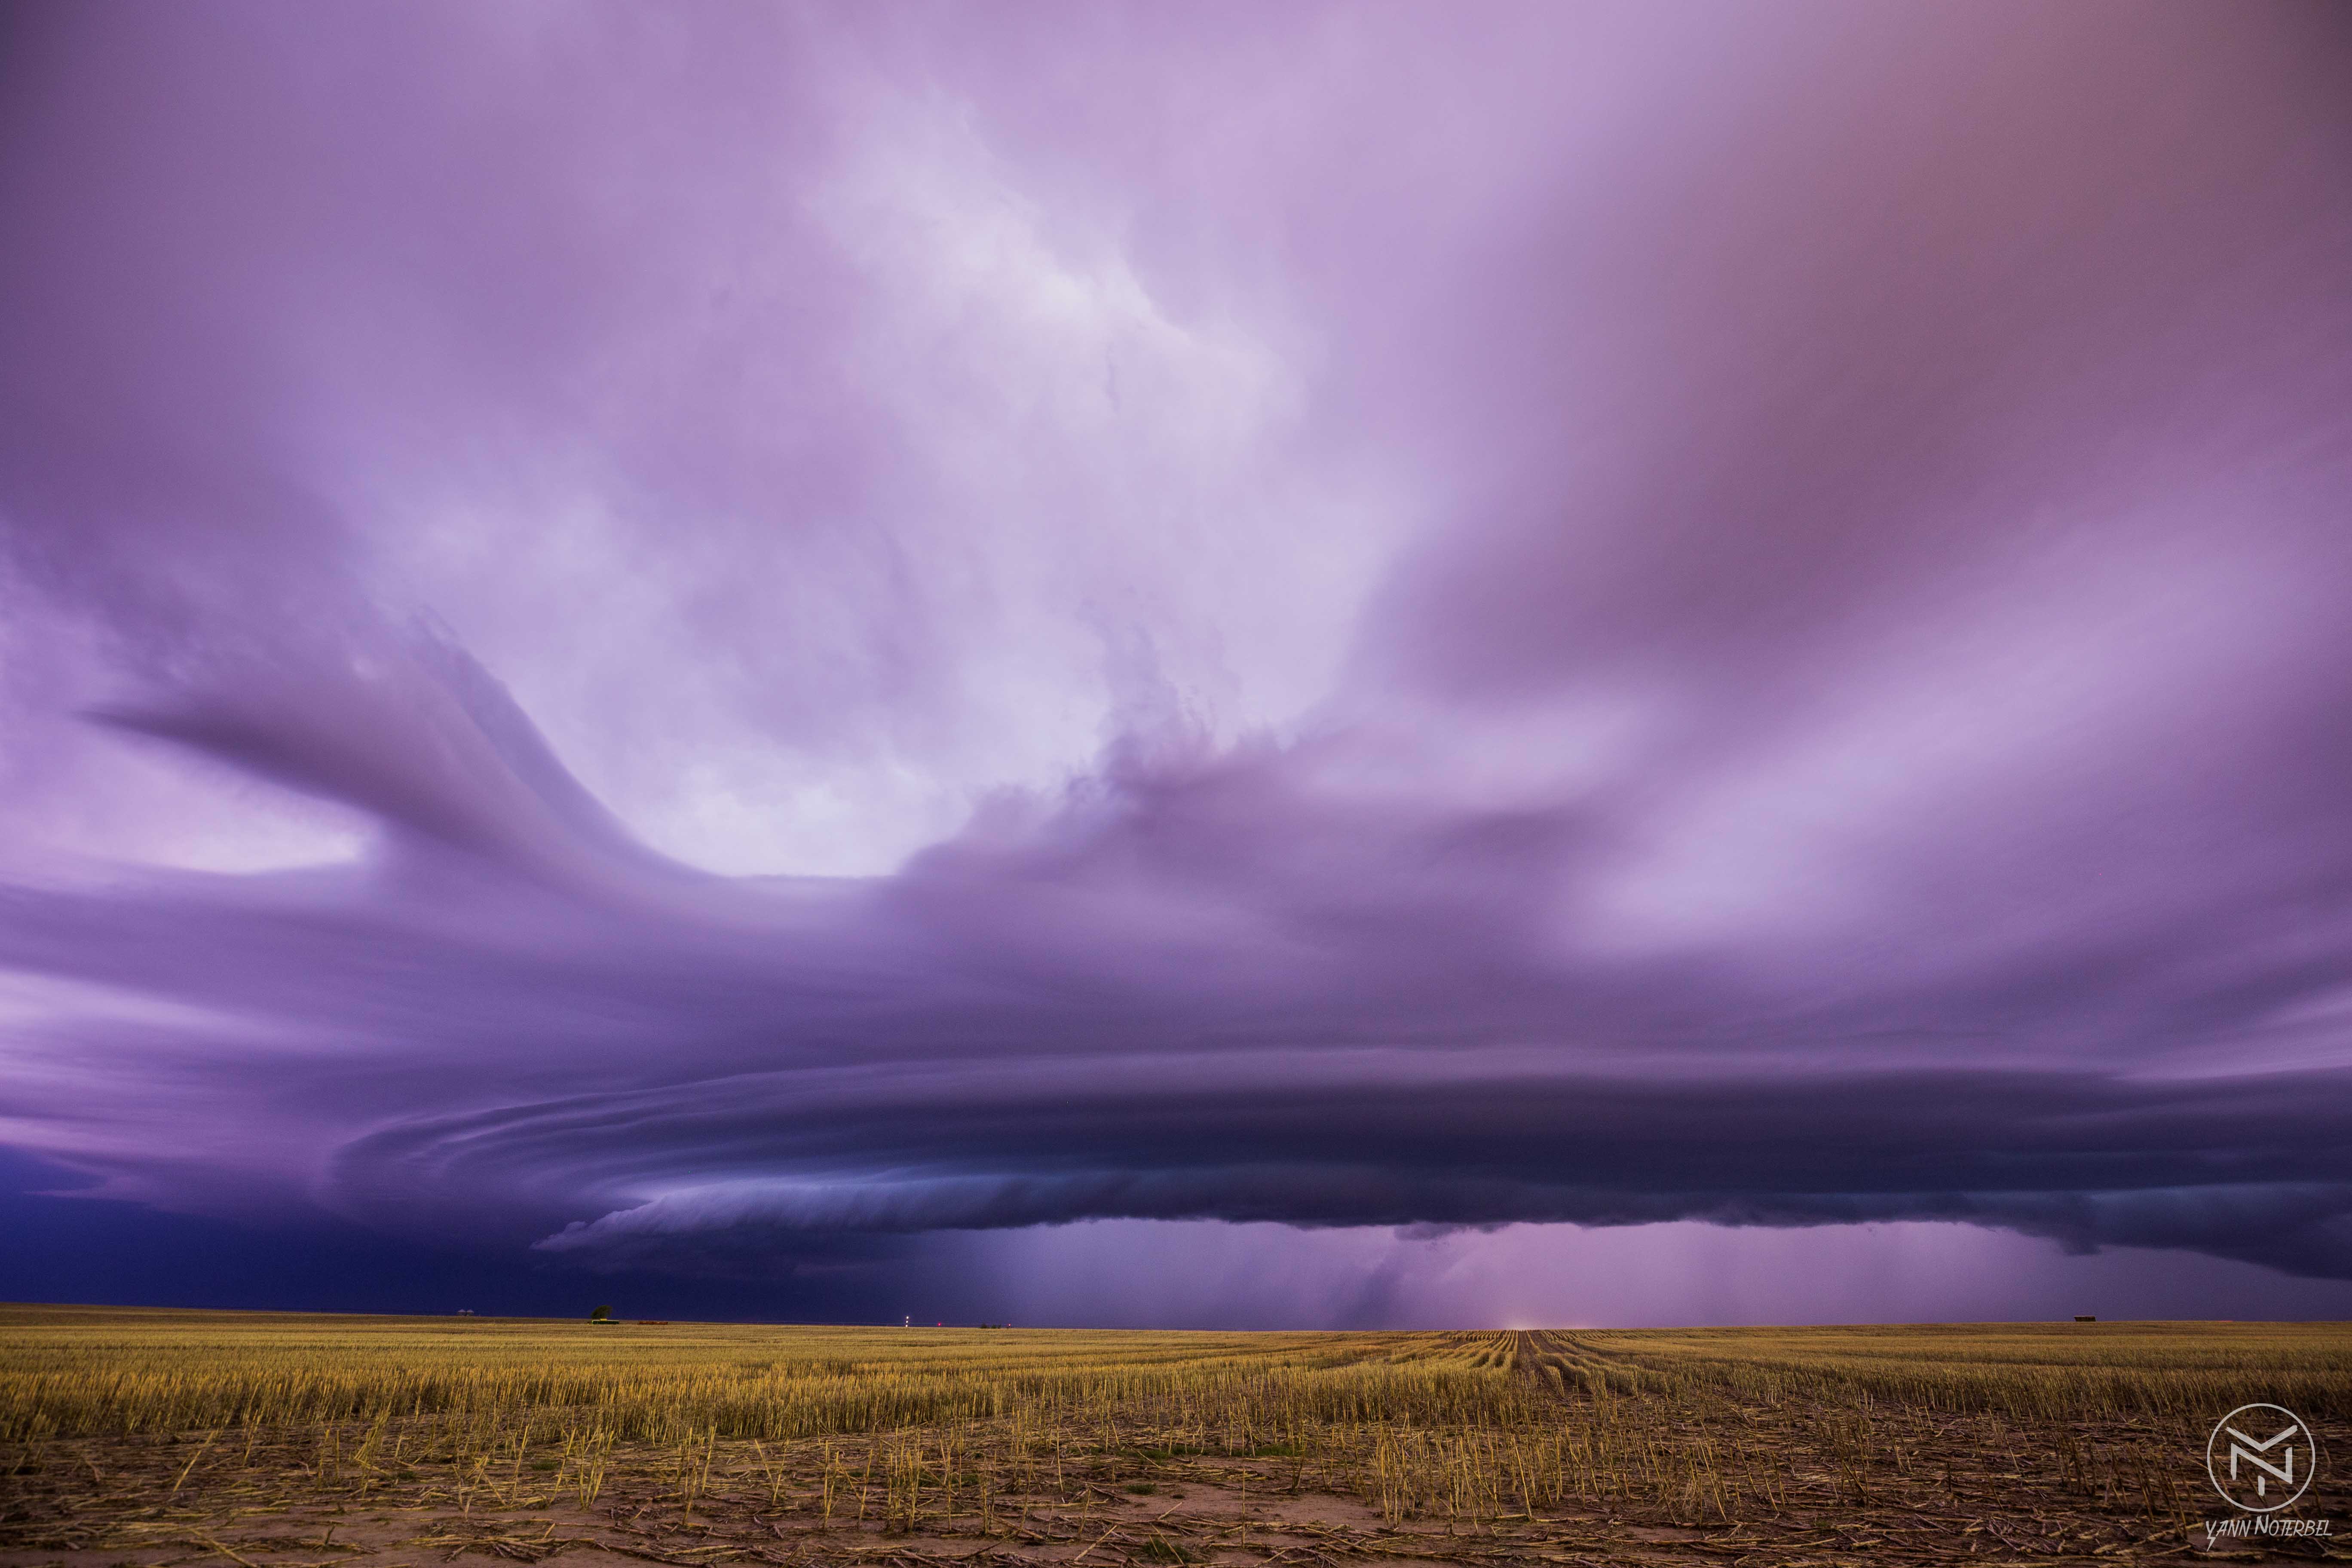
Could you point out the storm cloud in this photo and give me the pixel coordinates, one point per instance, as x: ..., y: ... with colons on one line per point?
x: 732, y: 640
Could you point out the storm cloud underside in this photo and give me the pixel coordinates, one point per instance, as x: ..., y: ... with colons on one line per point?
x: 724, y: 643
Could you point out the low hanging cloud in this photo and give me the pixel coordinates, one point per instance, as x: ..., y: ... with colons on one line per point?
x: 645, y: 641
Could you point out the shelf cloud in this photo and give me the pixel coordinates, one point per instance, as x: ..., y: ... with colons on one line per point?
x: 692, y: 642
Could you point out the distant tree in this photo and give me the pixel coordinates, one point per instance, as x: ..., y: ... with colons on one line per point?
x: 600, y: 1315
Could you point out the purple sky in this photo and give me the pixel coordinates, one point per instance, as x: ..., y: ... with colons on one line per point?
x: 1646, y: 664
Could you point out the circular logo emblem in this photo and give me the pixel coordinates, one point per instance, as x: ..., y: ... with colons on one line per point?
x: 2261, y: 1458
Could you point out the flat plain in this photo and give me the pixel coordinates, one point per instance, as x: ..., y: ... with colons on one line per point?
x: 158, y: 1438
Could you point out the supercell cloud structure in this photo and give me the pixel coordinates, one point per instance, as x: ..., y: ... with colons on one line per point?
x: 738, y: 639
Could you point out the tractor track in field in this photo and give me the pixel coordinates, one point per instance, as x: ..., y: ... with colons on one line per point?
x: 1558, y: 1366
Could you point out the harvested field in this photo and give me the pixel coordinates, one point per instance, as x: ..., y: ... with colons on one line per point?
x: 153, y: 1438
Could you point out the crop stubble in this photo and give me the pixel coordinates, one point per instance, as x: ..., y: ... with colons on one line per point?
x: 156, y: 1438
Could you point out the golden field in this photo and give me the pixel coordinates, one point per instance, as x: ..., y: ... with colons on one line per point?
x: 150, y: 1438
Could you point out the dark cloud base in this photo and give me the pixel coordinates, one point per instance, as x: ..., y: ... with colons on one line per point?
x: 77, y: 1249
x: 85, y: 1252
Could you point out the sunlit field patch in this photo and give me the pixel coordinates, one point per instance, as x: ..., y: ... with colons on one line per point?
x: 162, y: 1437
